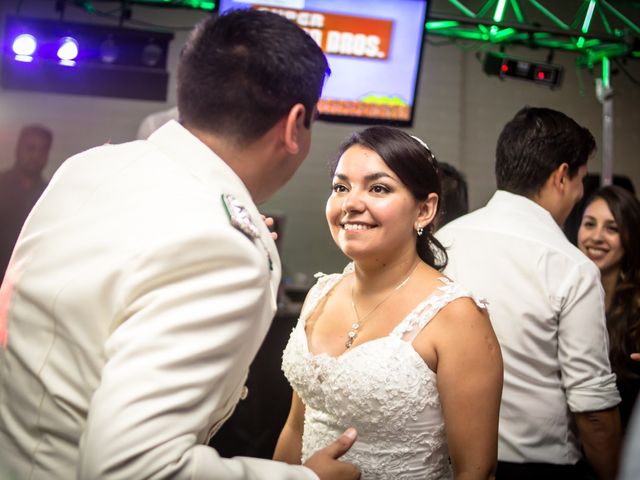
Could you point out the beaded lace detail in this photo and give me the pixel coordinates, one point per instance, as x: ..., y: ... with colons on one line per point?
x: 382, y: 387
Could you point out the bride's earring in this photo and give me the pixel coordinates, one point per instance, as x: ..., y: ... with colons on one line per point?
x: 420, y: 230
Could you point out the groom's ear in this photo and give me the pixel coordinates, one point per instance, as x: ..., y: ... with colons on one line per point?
x: 294, y: 122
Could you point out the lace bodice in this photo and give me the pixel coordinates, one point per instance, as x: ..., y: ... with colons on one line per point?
x: 382, y: 387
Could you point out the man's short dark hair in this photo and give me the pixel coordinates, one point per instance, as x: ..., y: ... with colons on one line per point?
x: 534, y: 144
x: 241, y: 72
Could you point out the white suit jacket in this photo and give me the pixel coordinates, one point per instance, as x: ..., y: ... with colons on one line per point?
x: 134, y: 309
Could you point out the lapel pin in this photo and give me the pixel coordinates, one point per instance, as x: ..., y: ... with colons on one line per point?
x: 240, y: 217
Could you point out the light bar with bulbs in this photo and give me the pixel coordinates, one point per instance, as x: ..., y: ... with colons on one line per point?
x: 504, y: 66
x: 84, y: 59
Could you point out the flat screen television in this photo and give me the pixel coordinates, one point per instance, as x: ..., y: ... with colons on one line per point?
x: 374, y: 48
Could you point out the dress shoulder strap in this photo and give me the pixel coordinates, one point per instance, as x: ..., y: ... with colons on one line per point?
x: 420, y: 316
x: 325, y: 283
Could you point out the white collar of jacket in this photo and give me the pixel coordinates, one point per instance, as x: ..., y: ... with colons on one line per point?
x: 205, y: 165
x: 199, y: 159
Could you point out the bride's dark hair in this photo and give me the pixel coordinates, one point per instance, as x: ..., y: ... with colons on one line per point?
x: 416, y: 167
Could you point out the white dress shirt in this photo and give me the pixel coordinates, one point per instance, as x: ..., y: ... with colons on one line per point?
x: 134, y: 309
x: 547, y: 308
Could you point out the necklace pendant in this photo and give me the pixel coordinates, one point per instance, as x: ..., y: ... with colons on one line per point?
x: 351, y: 336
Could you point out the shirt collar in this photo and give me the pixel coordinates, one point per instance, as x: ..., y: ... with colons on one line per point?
x: 513, y: 202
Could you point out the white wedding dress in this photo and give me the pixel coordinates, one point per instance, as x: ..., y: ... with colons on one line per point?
x: 382, y: 387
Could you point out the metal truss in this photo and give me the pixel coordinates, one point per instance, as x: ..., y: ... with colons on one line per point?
x: 594, y: 29
x: 598, y: 31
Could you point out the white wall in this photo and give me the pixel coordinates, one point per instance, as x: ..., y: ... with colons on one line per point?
x: 460, y: 113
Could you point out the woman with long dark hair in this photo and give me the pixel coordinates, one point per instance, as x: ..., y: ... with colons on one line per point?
x: 610, y: 236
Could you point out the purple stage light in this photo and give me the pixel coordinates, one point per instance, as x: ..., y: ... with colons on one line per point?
x: 24, y: 45
x: 68, y: 49
x: 84, y: 59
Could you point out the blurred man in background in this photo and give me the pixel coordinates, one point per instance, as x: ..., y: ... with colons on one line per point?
x: 22, y: 185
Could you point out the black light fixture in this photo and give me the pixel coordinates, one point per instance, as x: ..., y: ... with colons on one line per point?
x: 504, y: 66
x: 84, y: 59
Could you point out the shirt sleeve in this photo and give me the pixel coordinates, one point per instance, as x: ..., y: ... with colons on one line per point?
x: 583, y: 342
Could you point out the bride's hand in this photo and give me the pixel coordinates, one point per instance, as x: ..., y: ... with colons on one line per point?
x: 325, y: 462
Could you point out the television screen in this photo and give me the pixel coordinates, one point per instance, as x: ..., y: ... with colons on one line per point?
x: 374, y: 48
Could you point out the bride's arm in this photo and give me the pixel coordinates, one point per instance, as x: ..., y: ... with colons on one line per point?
x: 469, y: 372
x: 289, y: 446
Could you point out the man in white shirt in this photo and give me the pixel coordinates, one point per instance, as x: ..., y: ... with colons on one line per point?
x: 545, y: 301
x: 144, y: 279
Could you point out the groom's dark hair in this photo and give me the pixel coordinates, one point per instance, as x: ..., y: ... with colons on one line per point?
x: 241, y: 72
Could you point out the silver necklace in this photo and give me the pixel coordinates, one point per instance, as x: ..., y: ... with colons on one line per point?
x: 353, y: 333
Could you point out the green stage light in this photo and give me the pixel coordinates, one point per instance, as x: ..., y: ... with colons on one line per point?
x: 208, y: 5
x: 440, y: 24
x: 497, y: 17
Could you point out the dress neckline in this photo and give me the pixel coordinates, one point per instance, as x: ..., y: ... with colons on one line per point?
x: 392, y: 335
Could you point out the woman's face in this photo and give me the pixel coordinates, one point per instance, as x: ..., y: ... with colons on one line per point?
x: 599, y: 236
x: 371, y: 213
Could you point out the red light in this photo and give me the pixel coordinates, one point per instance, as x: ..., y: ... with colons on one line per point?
x: 504, y: 68
x: 540, y: 75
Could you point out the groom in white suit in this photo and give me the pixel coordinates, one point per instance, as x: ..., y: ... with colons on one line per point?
x: 144, y: 279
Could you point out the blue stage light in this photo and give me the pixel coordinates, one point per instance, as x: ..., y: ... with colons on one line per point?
x: 84, y: 59
x: 68, y: 49
x: 109, y: 51
x: 24, y: 45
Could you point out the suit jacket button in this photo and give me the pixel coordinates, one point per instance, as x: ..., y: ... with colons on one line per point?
x: 245, y: 392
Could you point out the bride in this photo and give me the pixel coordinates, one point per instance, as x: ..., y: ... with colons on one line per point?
x: 390, y: 346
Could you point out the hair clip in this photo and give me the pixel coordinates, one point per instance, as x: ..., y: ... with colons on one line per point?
x: 421, y: 142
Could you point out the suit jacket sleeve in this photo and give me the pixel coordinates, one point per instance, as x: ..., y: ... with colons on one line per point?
x: 194, y: 309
